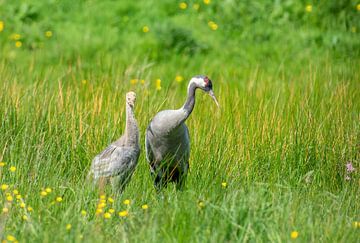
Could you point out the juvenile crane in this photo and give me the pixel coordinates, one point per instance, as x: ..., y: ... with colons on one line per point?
x: 118, y: 161
x: 167, y: 140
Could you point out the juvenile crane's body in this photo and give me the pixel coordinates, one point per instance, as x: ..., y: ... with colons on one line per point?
x: 118, y: 161
x: 167, y: 140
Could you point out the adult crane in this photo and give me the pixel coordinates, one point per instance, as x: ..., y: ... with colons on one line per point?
x: 167, y: 139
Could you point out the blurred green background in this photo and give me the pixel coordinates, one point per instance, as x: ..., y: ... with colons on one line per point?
x: 234, y: 33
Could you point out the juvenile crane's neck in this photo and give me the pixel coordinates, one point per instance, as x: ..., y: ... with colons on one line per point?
x: 131, y: 128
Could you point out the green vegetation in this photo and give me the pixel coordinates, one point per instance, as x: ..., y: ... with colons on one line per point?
x: 270, y: 162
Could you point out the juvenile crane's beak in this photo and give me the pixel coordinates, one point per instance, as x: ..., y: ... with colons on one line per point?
x: 211, y: 93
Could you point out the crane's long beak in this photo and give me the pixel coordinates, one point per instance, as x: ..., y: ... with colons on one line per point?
x: 211, y: 93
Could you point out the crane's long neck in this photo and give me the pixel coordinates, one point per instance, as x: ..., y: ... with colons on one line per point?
x: 131, y: 128
x: 190, y: 100
x: 184, y: 112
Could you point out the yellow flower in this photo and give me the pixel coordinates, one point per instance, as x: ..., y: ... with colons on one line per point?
x: 207, y: 2
x: 111, y: 210
x: 358, y: 7
x: 68, y: 227
x: 83, y: 212
x: 182, y: 5
x: 101, y: 205
x: 356, y: 224
x: 213, y: 25
x: 145, y: 29
x: 133, y: 81
x: 107, y: 215
x: 179, y: 78
x: 353, y: 29
x: 22, y: 205
x: 84, y: 81
x: 48, y: 34
x: 308, y: 8
x: 5, y: 210
x: 1, y: 26
x: 18, y: 44
x: 102, y: 201
x: 196, y: 6
x: 25, y: 217
x: 224, y: 184
x: 294, y: 234
x: 30, y: 209
x: 126, y: 202
x: 13, y: 168
x: 10, y: 238
x: 43, y: 193
x: 102, y: 196
x: 59, y: 199
x: 9, y: 198
x: 201, y: 204
x: 123, y: 213
x: 111, y: 200
x: 18, y: 197
x: 158, y: 84
x: 15, y: 36
x: 15, y: 192
x: 4, y: 187
x: 2, y: 164
x: 142, y: 81
x: 98, y: 211
x: 48, y: 190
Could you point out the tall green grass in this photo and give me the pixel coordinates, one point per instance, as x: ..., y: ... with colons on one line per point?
x: 280, y: 144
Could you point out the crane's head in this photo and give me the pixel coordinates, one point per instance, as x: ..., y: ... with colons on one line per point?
x: 204, y: 83
x: 131, y: 98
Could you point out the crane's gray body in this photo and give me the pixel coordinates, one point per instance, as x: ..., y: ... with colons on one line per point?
x: 167, y: 145
x: 118, y: 161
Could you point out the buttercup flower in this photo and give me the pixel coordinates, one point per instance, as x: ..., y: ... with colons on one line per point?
x: 182, y: 5
x: 179, y: 78
x: 48, y: 34
x: 158, y: 84
x: 126, y: 202
x: 146, y: 29
x: 10, y: 238
x: 18, y: 44
x: 13, y: 168
x: 294, y: 234
x: 123, y: 213
x: 145, y: 206
x: 4, y: 187
x: 308, y: 8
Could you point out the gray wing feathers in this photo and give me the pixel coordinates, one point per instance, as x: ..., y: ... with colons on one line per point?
x: 113, y: 161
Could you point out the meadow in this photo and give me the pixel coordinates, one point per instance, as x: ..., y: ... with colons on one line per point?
x: 279, y: 160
